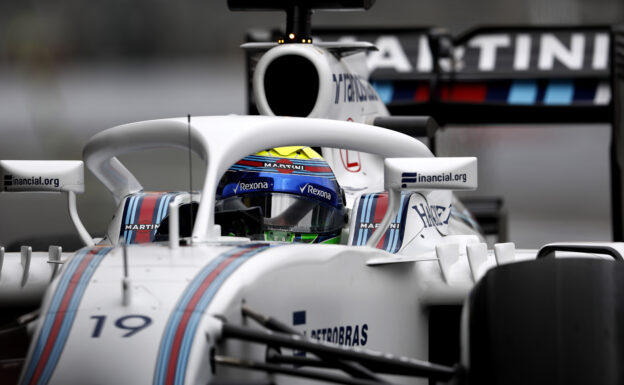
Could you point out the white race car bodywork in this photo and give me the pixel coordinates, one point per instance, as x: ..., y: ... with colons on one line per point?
x: 154, y: 313
x: 93, y: 329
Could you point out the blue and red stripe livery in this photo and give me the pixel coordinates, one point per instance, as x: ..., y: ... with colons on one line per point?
x: 61, y: 313
x: 180, y: 331
x: 370, y: 212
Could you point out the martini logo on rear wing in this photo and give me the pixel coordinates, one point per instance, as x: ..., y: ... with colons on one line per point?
x: 487, y: 75
x: 42, y: 176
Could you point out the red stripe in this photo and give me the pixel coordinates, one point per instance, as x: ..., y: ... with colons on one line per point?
x: 468, y: 92
x: 60, y: 315
x: 380, y: 210
x: 422, y: 93
x: 317, y: 169
x: 250, y: 163
x: 146, y: 217
x: 177, y: 342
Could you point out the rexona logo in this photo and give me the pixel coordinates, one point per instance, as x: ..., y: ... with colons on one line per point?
x: 244, y: 186
x: 310, y: 189
x: 136, y: 226
x: 9, y: 181
x: 284, y: 166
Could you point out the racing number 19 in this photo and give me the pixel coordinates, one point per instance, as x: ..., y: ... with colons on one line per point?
x: 125, y: 322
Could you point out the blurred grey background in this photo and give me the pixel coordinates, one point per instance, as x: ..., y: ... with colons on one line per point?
x: 69, y: 69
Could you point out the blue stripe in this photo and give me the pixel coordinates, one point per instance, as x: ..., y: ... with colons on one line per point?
x: 385, y: 90
x: 523, y: 92
x: 198, y: 313
x: 176, y: 315
x: 136, y: 212
x: 559, y: 92
x: 69, y: 316
x: 368, y: 218
x: 362, y: 216
x: 399, y: 219
x: 128, y: 215
x: 173, y: 324
x: 132, y: 210
x: 49, y: 320
x: 161, y: 203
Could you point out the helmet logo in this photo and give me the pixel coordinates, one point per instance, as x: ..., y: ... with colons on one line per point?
x: 284, y: 166
x: 242, y: 186
x: 309, y: 189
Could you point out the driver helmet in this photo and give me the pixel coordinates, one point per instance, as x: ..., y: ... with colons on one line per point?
x: 286, y: 194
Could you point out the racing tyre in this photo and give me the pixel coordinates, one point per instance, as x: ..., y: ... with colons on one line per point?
x: 549, y: 321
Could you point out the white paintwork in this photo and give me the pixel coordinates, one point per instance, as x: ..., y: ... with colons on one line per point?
x: 49, y: 176
x: 85, y: 237
x: 504, y: 252
x: 432, y: 171
x: 44, y: 175
x: 338, y: 286
x: 477, y: 259
x: 357, y: 172
x: 223, y: 140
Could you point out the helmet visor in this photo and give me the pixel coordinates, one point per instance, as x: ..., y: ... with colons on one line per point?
x: 289, y: 212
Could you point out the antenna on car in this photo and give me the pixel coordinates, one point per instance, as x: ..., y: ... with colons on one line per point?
x: 298, y: 13
x: 190, y: 176
x: 125, y: 282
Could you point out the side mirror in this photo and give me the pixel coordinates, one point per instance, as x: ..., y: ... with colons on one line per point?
x: 47, y: 176
x: 422, y: 174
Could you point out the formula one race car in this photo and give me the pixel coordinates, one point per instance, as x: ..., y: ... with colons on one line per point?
x: 289, y: 266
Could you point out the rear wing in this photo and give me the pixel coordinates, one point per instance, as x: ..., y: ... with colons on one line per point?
x: 487, y: 75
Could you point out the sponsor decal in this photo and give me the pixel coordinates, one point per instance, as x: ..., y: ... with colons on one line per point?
x: 345, y: 334
x: 284, y: 166
x: 243, y: 186
x: 490, y: 51
x: 316, y: 191
x: 352, y: 88
x: 351, y: 160
x: 414, y: 177
x: 431, y: 214
x: 147, y: 226
x: 369, y: 225
x: 10, y: 181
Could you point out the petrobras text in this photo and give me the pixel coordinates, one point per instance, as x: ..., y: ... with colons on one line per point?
x: 347, y: 335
